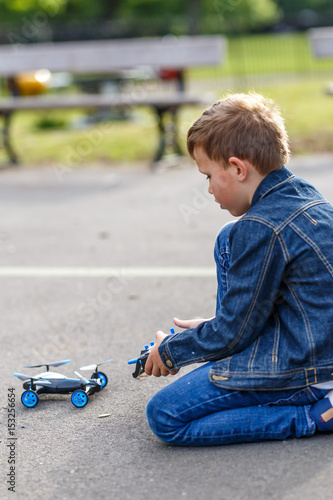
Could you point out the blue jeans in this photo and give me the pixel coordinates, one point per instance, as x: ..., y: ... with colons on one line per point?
x: 193, y: 412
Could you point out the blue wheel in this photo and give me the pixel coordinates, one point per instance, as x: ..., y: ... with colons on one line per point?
x: 103, y: 378
x: 79, y: 399
x: 29, y: 399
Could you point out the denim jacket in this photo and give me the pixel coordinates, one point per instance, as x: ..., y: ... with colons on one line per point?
x: 275, y: 326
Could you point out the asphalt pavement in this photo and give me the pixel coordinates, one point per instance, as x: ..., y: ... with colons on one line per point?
x: 94, y: 260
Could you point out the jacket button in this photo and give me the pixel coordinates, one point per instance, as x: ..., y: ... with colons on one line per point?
x: 169, y: 363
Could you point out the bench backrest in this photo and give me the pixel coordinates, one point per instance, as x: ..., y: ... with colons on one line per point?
x: 321, y: 40
x: 112, y: 55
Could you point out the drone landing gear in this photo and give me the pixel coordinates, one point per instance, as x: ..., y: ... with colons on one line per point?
x: 29, y: 399
x: 103, y: 378
x: 79, y: 398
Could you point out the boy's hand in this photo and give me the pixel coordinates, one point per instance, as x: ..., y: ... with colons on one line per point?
x: 154, y: 365
x: 189, y: 323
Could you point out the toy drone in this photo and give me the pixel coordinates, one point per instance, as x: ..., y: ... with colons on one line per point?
x: 140, y: 362
x: 49, y: 382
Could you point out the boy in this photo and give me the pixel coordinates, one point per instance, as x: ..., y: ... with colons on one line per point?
x: 268, y: 352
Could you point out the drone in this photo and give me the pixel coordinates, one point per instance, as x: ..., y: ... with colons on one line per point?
x: 49, y: 382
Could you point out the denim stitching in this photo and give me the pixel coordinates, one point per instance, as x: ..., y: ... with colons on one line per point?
x: 282, y: 373
x: 253, y: 354
x: 276, y: 185
x: 314, y: 247
x: 306, y: 215
x: 315, y: 396
x: 256, y: 291
x: 284, y: 248
x: 229, y: 361
x: 315, y: 376
x: 292, y: 398
x: 289, y: 219
x: 256, y: 218
x: 310, y: 423
x: 306, y: 322
x: 276, y: 342
x: 227, y: 349
x: 299, y: 211
x: 253, y: 302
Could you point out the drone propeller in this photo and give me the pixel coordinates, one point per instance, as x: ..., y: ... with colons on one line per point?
x: 83, y: 379
x: 54, y: 363
x: 36, y: 381
x: 95, y: 366
x: 23, y: 377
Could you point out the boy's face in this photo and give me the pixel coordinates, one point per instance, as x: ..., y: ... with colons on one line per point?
x: 224, y: 184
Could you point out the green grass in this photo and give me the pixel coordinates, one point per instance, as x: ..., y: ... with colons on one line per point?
x: 293, y: 79
x: 124, y: 141
x: 265, y: 54
x: 308, y: 113
x: 307, y: 110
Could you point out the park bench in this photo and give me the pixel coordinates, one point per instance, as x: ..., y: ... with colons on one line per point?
x: 321, y: 41
x: 100, y: 59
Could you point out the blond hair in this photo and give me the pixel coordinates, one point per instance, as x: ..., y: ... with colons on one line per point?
x: 247, y: 126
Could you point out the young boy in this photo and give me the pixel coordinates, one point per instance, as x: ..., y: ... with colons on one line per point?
x: 269, y: 349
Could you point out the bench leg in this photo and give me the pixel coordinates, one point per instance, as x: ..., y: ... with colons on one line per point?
x: 167, y: 122
x: 6, y: 138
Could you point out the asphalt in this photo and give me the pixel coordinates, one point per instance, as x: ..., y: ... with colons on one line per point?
x: 94, y: 260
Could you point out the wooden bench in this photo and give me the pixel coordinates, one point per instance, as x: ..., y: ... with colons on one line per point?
x: 321, y: 41
x: 104, y: 58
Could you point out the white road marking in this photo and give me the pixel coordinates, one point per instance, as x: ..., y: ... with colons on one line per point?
x: 96, y: 272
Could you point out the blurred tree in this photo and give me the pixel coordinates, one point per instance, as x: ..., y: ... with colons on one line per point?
x: 225, y: 15
x: 306, y: 13
x: 237, y: 16
x: 194, y: 16
x: 71, y: 10
x: 191, y: 16
x: 295, y: 6
x: 149, y: 8
x: 14, y: 9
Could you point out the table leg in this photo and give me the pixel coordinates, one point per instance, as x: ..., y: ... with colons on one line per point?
x: 167, y: 123
x: 6, y: 138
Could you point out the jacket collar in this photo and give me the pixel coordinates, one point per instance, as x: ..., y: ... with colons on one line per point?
x: 270, y: 182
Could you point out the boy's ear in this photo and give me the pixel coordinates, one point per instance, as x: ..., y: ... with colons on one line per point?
x: 240, y: 166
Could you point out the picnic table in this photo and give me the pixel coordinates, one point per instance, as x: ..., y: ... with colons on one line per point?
x: 91, y: 58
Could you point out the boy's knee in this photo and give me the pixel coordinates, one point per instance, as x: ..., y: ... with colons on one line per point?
x: 151, y: 414
x: 159, y: 421
x: 154, y: 416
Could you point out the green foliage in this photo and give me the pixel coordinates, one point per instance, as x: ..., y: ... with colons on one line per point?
x: 61, y: 10
x: 22, y: 5
x: 295, y: 6
x: 14, y: 9
x: 82, y: 10
x: 150, y: 8
x: 213, y: 15
x: 50, y: 121
x: 236, y: 16
x: 225, y: 15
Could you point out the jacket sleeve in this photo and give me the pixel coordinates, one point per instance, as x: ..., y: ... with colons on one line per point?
x: 258, y: 262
